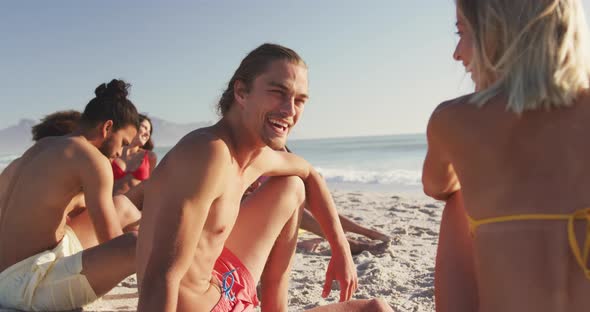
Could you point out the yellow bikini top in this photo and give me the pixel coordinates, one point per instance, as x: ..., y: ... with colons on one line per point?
x: 582, y: 214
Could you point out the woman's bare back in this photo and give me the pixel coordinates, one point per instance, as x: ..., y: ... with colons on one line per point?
x: 536, y: 163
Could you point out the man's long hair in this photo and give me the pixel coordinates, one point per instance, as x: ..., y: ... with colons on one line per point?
x: 254, y: 64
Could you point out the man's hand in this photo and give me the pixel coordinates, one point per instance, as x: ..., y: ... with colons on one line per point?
x: 342, y: 269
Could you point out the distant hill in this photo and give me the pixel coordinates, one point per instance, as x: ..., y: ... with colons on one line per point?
x: 168, y: 133
x: 15, y: 139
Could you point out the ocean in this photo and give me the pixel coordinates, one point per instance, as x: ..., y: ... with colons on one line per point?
x: 372, y: 163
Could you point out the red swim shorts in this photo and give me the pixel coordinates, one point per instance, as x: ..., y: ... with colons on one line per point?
x: 238, y: 290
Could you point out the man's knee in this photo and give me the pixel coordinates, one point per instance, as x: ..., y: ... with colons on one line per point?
x: 121, y: 203
x: 126, y: 210
x: 378, y: 304
x: 295, y: 187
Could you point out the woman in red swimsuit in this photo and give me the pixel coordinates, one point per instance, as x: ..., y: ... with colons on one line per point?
x: 137, y: 160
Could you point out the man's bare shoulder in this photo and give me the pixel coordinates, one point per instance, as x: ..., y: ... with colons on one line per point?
x: 198, y: 146
x: 10, y: 168
x: 69, y: 153
x: 63, y: 151
x: 67, y: 144
x: 198, y: 157
x: 83, y: 153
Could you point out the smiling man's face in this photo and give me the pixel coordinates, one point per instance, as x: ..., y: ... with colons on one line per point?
x: 275, y: 102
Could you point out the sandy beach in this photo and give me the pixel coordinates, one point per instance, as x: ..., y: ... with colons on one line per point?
x: 401, y: 272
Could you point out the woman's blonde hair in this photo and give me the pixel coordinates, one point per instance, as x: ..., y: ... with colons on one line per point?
x: 533, y: 51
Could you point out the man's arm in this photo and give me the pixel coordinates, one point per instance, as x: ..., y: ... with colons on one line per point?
x: 135, y: 194
x: 193, y: 180
x: 438, y: 175
x: 96, y: 175
x: 319, y: 202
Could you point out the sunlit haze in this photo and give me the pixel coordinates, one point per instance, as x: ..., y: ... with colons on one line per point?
x: 377, y: 67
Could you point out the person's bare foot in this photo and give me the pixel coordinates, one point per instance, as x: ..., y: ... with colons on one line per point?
x: 313, y: 245
x: 373, y: 234
x: 356, y: 247
x: 310, y: 245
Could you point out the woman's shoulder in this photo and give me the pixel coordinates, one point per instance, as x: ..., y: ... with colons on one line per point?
x: 448, y: 111
x: 459, y: 103
x: 150, y: 155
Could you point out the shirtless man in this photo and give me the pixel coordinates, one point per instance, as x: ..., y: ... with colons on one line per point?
x: 199, y: 248
x: 516, y: 155
x: 46, y: 262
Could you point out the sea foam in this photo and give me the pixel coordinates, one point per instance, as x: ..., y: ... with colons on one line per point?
x: 395, y: 177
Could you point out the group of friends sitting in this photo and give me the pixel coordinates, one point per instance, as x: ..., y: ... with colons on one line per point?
x: 200, y: 229
x: 510, y: 160
x: 138, y: 160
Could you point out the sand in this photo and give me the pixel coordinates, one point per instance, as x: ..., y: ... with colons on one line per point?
x: 401, y: 272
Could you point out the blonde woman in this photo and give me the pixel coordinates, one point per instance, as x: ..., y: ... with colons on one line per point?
x: 517, y: 151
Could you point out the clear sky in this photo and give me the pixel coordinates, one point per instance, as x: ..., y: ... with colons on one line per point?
x: 375, y: 67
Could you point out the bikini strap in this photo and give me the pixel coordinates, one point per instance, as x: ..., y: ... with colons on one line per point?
x: 582, y: 214
x: 474, y: 224
x: 582, y: 259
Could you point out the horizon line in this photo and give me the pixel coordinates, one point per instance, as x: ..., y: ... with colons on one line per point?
x: 340, y: 137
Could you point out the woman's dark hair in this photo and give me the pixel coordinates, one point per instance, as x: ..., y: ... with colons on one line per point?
x: 149, y: 145
x: 111, y: 103
x: 56, y: 124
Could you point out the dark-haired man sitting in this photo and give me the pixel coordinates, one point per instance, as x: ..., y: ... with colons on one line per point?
x: 48, y: 264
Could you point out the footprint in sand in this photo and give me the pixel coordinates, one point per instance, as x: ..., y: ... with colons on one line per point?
x: 418, y: 231
x: 129, y: 284
x: 397, y: 209
x: 427, y: 211
x: 399, y: 230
